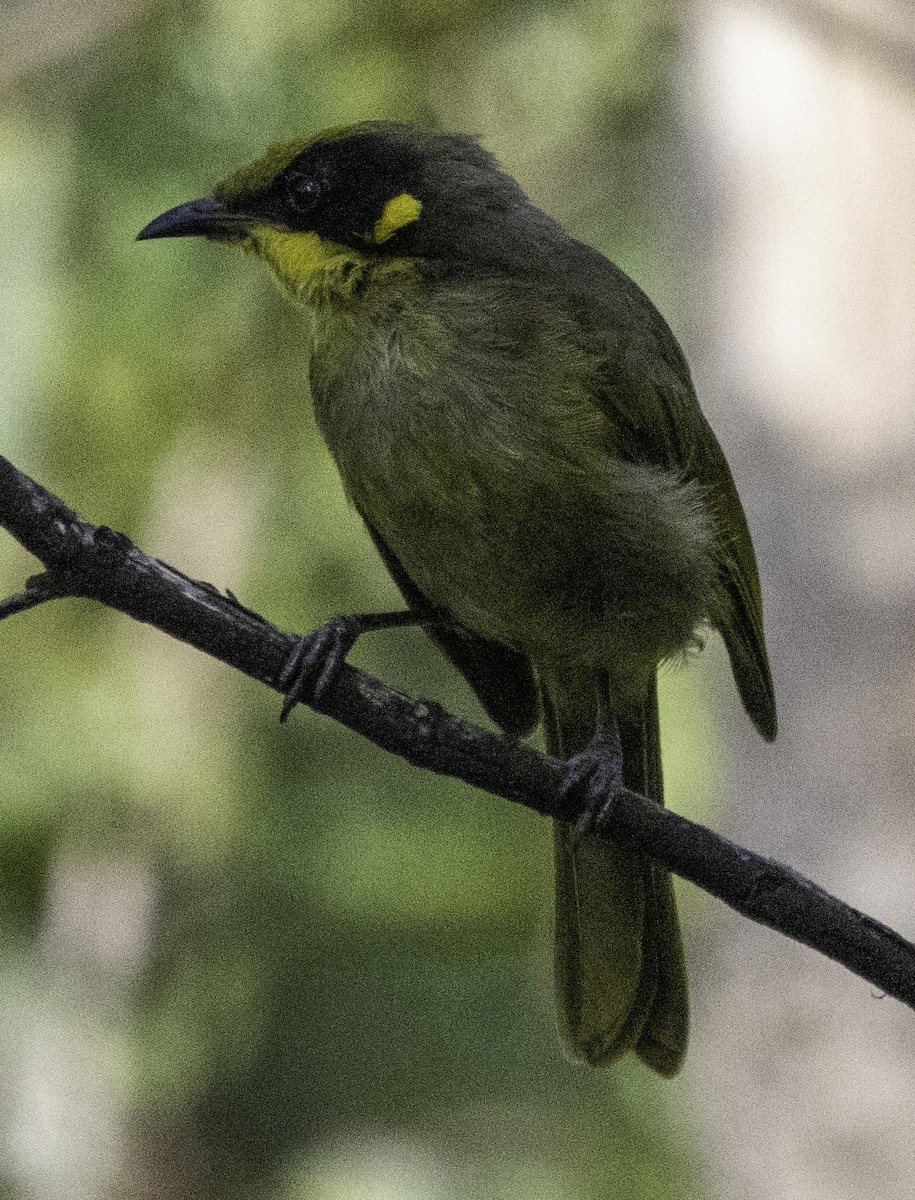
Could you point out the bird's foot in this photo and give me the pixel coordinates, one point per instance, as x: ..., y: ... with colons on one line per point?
x: 318, y: 658
x: 594, y: 777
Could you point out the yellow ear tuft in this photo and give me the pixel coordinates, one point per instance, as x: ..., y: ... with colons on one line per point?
x: 399, y: 211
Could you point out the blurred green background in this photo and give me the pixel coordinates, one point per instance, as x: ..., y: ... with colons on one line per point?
x: 238, y: 959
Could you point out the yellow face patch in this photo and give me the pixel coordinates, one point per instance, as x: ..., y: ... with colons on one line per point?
x: 302, y: 260
x: 400, y: 211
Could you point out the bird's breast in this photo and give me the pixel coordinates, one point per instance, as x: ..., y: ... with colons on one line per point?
x: 466, y: 433
x: 413, y: 427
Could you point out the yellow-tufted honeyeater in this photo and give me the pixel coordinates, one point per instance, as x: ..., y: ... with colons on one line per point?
x: 516, y: 424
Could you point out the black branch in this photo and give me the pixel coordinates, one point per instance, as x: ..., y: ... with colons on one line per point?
x: 97, y: 563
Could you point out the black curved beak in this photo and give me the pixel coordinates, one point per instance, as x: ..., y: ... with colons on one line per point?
x: 197, y: 218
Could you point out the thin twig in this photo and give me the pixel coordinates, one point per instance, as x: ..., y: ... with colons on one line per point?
x: 95, y: 562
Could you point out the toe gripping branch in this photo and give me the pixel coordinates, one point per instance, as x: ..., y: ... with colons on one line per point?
x: 318, y: 658
x: 594, y: 776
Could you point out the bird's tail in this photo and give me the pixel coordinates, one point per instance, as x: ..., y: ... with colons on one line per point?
x: 620, y: 974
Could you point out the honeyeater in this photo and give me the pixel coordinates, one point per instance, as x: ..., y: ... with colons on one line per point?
x: 516, y: 425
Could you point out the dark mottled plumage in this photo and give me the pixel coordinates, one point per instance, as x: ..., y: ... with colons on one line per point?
x: 516, y: 424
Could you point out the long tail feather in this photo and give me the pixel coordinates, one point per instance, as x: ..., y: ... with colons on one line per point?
x: 620, y: 974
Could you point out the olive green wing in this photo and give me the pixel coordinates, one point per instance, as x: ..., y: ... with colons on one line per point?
x: 645, y: 388
x: 500, y: 677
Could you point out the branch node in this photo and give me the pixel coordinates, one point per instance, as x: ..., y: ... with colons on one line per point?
x: 110, y: 545
x: 49, y: 585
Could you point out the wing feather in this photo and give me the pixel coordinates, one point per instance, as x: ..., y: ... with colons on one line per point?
x: 644, y: 387
x: 500, y: 677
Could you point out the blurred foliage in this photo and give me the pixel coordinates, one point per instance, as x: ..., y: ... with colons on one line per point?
x: 347, y: 992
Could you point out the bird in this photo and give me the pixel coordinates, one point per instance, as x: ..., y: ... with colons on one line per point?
x: 517, y: 427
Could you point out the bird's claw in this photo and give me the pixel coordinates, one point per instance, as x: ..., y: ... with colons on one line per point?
x: 593, y: 780
x: 317, y: 659
x: 316, y: 662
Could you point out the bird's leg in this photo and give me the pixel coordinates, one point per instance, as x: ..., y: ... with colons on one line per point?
x: 595, y: 774
x: 317, y: 658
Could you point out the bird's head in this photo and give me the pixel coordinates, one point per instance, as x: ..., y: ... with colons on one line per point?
x: 377, y: 191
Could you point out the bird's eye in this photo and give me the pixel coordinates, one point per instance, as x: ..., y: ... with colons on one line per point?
x: 303, y: 192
